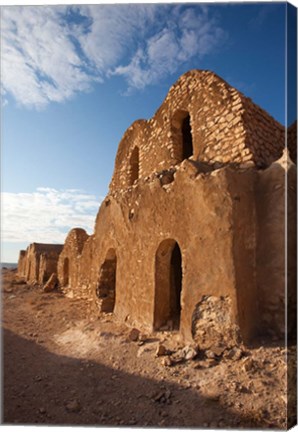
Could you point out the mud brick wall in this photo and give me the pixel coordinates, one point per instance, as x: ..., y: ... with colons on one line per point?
x: 188, y: 180
x: 22, y: 263
x: 48, y: 264
x: 69, y: 261
x: 33, y: 259
x: 191, y: 233
x: 271, y: 250
x: 138, y: 232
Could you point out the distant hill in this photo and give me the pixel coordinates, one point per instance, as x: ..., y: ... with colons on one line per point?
x: 9, y: 265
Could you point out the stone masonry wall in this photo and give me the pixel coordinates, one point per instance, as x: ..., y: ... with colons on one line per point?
x: 226, y: 127
x: 191, y: 233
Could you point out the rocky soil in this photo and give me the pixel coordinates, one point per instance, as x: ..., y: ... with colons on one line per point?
x: 60, y: 368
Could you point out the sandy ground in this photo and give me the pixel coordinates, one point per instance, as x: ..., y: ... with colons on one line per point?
x: 60, y: 368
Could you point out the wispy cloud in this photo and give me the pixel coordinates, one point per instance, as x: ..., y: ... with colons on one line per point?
x: 264, y: 12
x: 47, y: 214
x: 186, y: 34
x: 49, y: 53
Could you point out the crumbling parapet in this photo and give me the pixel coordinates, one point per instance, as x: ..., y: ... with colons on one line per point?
x: 38, y: 262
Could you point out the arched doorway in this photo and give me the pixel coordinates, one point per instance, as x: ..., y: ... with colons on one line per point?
x: 168, y: 285
x: 66, y: 271
x: 182, y: 135
x: 134, y: 166
x: 106, y: 287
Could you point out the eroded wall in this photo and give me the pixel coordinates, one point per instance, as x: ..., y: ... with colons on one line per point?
x: 271, y: 249
x: 190, y: 177
x: 198, y: 212
x: 22, y: 263
x: 33, y: 272
x: 68, y: 268
x: 48, y: 264
x: 191, y: 235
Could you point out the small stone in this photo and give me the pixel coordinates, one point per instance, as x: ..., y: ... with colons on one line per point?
x: 217, y: 350
x: 248, y: 364
x: 42, y: 410
x: 143, y: 337
x: 213, y: 396
x: 161, y: 351
x: 51, y: 283
x: 168, y: 394
x: 167, y: 361
x: 159, y: 396
x: 132, y: 422
x: 73, y: 406
x: 8, y: 290
x: 134, y: 335
x: 189, y: 352
x: 205, y: 364
x: 210, y: 354
x: 234, y: 354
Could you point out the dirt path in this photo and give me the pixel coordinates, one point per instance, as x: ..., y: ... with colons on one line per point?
x: 60, y: 368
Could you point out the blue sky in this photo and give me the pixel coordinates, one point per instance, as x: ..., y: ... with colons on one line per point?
x: 75, y: 77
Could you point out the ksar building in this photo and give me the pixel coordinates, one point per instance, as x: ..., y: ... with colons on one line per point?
x: 191, y: 235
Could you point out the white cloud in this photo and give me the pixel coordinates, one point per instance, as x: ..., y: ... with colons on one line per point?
x: 191, y: 34
x: 49, y: 53
x: 46, y: 215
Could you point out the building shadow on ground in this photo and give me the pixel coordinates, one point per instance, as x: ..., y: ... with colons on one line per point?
x: 40, y: 387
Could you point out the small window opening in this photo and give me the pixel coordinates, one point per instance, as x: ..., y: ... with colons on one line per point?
x: 186, y: 138
x: 181, y: 134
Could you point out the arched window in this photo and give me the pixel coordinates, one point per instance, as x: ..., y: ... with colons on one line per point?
x: 182, y: 135
x: 187, y: 149
x: 134, y: 166
x: 168, y: 285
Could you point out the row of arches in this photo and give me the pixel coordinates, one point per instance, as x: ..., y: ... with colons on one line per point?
x: 168, y: 284
x: 183, y: 144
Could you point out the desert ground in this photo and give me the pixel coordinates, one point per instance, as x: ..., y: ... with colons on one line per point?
x: 62, y: 368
